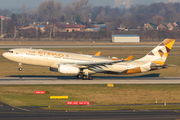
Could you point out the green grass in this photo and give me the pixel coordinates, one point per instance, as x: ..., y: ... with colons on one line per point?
x: 23, y: 95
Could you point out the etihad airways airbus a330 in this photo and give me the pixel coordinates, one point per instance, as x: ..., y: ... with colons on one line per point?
x: 86, y: 65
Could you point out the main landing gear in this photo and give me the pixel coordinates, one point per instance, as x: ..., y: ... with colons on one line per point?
x: 20, y: 66
x: 84, y: 77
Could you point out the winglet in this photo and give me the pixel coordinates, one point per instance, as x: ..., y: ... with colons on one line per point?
x: 129, y: 58
x: 98, y: 53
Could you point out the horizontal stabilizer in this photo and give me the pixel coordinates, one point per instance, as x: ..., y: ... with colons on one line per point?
x: 153, y: 66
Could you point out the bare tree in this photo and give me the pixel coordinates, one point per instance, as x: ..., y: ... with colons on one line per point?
x: 50, y: 10
x: 15, y: 32
x: 8, y: 26
x: 101, y: 16
x: 69, y: 13
x: 32, y: 14
x: 158, y: 19
x: 130, y: 24
x: 20, y: 20
x: 82, y: 8
x: 118, y: 22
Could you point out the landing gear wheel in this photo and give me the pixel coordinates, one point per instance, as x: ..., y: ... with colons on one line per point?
x: 20, y: 66
x: 90, y: 78
x: 84, y: 77
x: 20, y: 69
x: 79, y: 76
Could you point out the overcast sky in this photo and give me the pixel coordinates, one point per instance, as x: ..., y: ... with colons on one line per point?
x: 35, y: 3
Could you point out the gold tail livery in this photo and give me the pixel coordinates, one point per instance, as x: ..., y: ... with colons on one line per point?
x: 86, y: 65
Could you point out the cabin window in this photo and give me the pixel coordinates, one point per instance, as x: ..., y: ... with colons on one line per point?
x: 10, y: 51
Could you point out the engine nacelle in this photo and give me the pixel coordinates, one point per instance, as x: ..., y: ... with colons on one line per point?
x: 68, y: 69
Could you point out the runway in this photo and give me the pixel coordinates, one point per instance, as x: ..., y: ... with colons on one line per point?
x: 8, y: 112
x: 85, y: 46
x: 96, y: 80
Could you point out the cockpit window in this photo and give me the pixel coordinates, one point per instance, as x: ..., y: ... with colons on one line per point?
x: 10, y: 51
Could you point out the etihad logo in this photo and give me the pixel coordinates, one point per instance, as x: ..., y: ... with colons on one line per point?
x: 51, y: 54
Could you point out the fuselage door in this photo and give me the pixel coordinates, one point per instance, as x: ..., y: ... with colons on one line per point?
x: 46, y: 56
x: 20, y: 53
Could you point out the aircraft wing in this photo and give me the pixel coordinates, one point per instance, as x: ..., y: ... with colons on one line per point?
x: 95, y: 64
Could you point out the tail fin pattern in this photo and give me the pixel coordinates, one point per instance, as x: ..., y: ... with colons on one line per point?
x: 159, y: 54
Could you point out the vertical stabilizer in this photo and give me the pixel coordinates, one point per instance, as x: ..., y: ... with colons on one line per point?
x: 160, y: 53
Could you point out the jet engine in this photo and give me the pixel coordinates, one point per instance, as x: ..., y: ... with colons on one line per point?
x: 68, y: 69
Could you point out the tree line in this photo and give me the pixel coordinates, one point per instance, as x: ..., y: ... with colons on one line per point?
x: 82, y: 10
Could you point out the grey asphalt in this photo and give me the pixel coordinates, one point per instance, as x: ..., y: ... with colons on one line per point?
x: 8, y: 112
x: 97, y: 80
x: 84, y: 46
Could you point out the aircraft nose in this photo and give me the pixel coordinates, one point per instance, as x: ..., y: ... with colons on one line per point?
x: 4, y: 54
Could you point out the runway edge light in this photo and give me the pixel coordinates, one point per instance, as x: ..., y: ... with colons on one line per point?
x: 47, y: 92
x: 58, y: 97
x: 110, y: 85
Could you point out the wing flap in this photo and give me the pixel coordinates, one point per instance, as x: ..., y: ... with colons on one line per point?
x: 94, y: 64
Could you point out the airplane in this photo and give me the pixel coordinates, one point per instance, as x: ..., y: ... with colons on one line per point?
x: 84, y: 66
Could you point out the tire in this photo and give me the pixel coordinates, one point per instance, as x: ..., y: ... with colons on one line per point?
x: 20, y: 69
x: 79, y: 76
x: 90, y: 78
x: 84, y: 77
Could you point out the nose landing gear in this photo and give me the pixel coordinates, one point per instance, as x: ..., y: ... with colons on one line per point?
x: 20, y: 66
x: 20, y: 69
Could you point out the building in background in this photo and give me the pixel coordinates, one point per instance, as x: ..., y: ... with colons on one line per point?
x: 125, y: 39
x: 123, y: 3
x: 129, y: 3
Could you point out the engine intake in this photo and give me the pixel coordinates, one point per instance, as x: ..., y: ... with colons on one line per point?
x: 53, y: 69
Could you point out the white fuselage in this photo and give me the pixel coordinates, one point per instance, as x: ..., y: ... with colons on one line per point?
x: 53, y: 59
